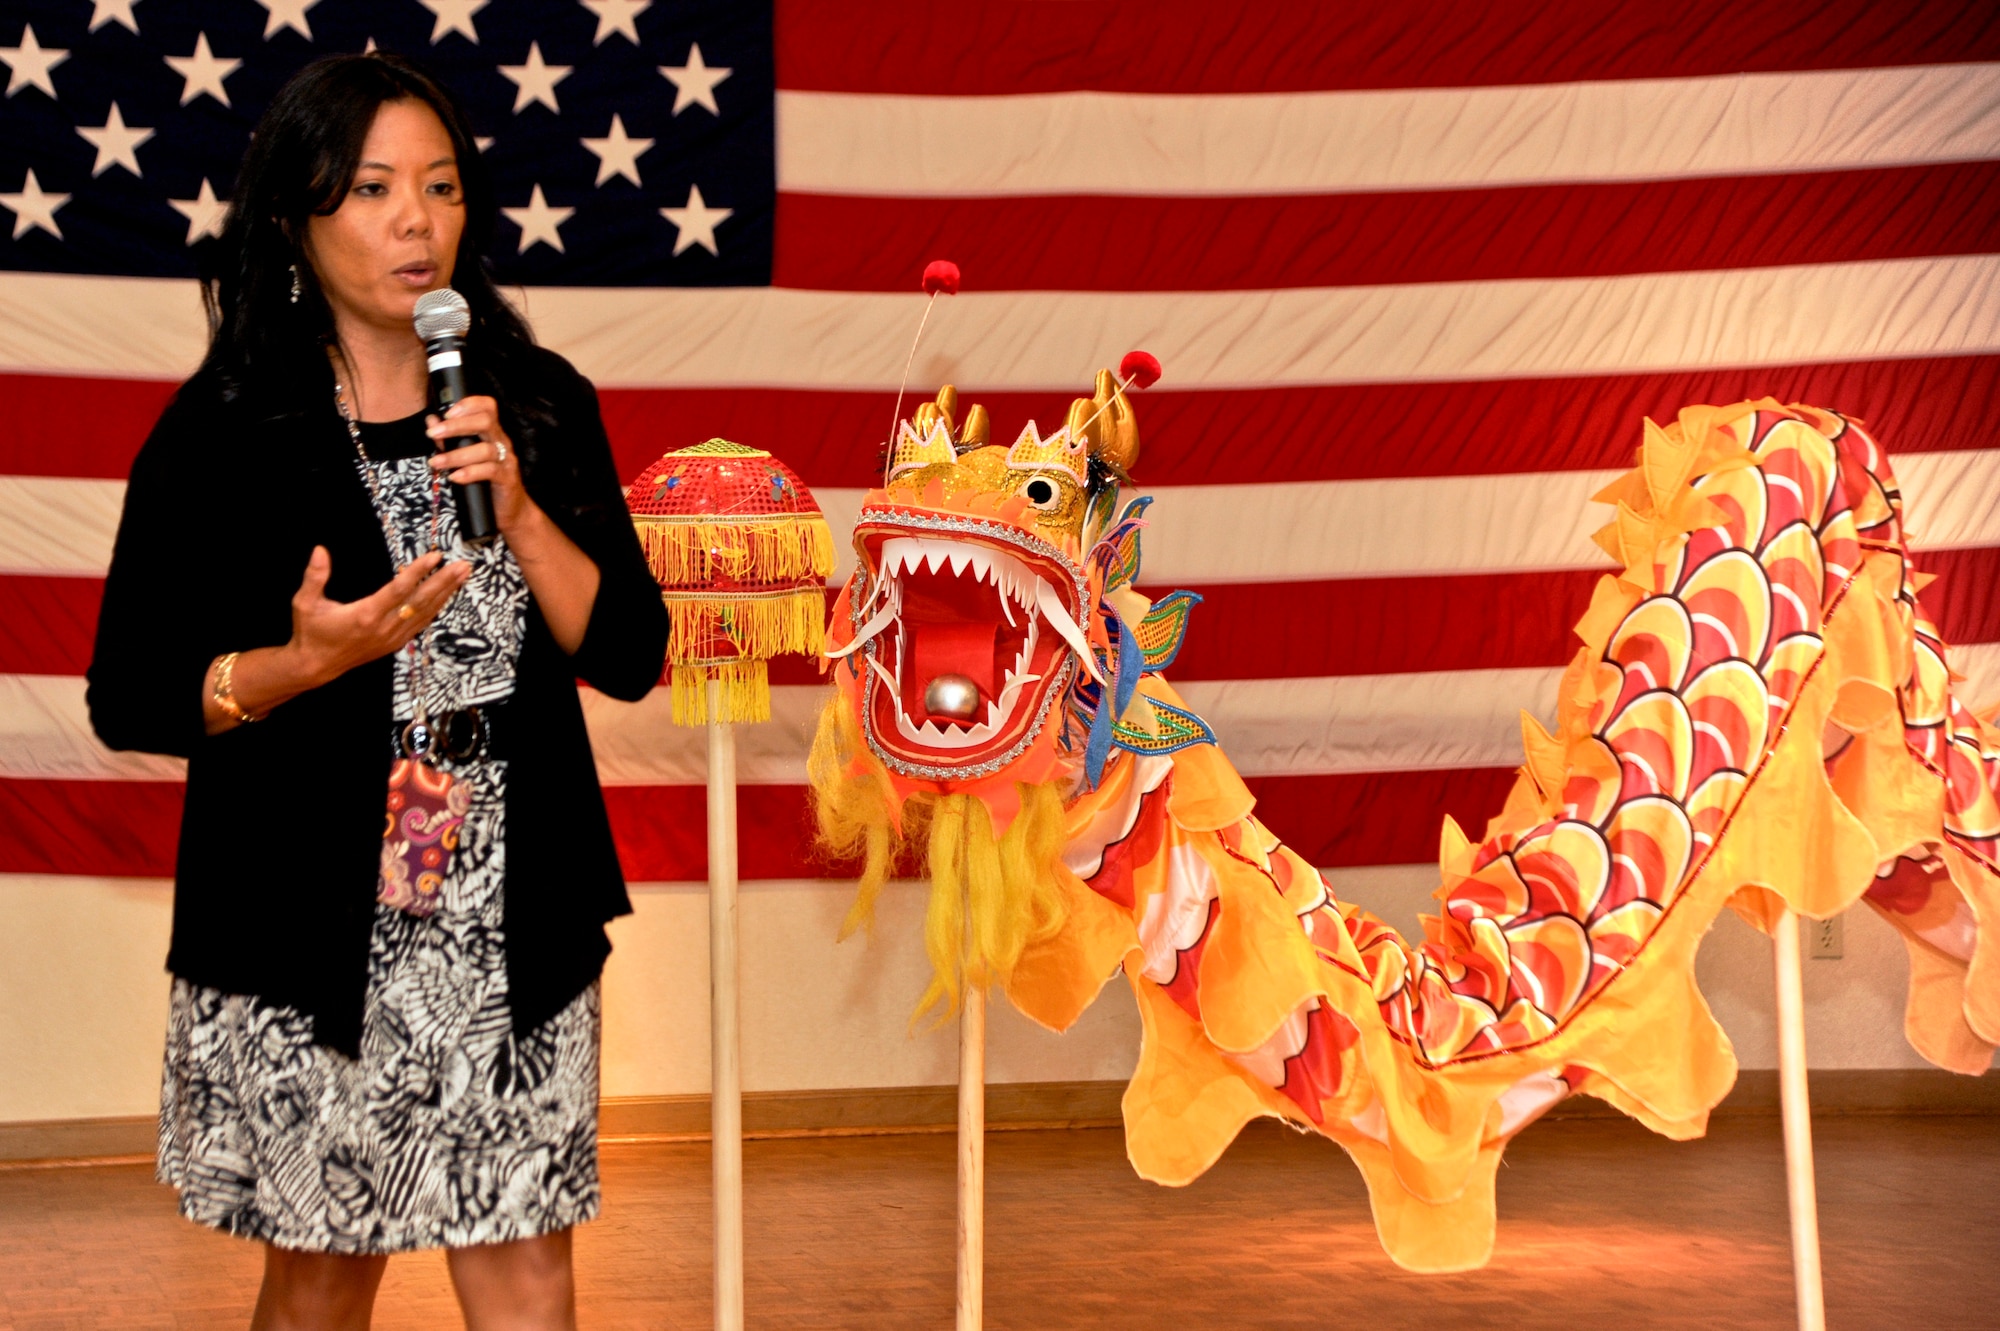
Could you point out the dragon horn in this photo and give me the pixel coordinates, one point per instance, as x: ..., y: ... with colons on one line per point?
x: 930, y: 413
x: 1082, y: 424
x: 1118, y: 442
x: 1121, y: 433
x: 977, y: 427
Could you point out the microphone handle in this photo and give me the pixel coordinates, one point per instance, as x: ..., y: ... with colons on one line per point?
x: 474, y: 502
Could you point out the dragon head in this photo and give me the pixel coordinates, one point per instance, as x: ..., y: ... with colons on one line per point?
x: 974, y: 610
x: 988, y: 653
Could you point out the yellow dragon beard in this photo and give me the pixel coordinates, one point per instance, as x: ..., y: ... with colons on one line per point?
x: 990, y: 897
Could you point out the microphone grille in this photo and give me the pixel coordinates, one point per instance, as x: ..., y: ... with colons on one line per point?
x: 442, y: 313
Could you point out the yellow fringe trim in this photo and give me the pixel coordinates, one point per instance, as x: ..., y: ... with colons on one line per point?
x: 690, y: 552
x: 990, y: 897
x: 746, y: 692
x: 757, y: 624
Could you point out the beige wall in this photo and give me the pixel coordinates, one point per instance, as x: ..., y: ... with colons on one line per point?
x: 83, y: 996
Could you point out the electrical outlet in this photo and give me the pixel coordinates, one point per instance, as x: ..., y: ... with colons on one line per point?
x: 1823, y: 939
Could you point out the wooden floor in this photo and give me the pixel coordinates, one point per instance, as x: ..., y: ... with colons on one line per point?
x: 1602, y: 1225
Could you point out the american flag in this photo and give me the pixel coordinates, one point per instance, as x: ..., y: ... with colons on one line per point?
x: 1416, y: 273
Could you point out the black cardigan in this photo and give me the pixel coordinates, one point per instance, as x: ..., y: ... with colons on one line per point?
x: 274, y: 887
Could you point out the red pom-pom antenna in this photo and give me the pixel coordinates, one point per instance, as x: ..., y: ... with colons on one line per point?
x: 941, y: 277
x: 1140, y: 369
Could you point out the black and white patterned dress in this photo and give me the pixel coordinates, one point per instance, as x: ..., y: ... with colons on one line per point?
x: 447, y: 1131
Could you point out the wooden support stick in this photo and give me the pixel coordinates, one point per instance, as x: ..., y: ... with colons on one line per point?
x: 1798, y: 1125
x: 972, y: 1158
x: 725, y: 1049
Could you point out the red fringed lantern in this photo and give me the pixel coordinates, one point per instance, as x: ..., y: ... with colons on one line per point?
x: 741, y: 552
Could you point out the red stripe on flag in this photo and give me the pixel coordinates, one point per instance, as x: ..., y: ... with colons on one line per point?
x: 1377, y: 817
x: 662, y: 833
x: 1378, y: 626
x: 1192, y: 46
x: 840, y: 243
x: 58, y: 425
x: 1491, y: 621
x: 119, y: 829
x: 47, y: 625
x: 1369, y: 818
x: 1964, y: 602
x: 1338, y: 432
x: 1334, y: 432
x: 128, y: 829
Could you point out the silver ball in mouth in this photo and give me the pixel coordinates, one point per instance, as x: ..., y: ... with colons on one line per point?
x: 952, y: 696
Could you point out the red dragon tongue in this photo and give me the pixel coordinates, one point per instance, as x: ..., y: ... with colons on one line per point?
x: 953, y: 649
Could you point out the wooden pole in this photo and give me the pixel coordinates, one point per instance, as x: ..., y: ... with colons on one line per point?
x: 972, y: 1158
x: 725, y: 1049
x: 1798, y: 1126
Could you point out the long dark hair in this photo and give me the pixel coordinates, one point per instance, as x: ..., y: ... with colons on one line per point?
x: 264, y: 346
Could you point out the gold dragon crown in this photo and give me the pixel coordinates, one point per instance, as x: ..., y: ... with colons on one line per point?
x: 1100, y: 426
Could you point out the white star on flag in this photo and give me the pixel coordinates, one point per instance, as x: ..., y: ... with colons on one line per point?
x: 103, y: 11
x: 287, y: 14
x: 538, y: 222
x: 116, y: 142
x: 454, y: 16
x: 697, y: 222
x: 694, y: 83
x: 30, y: 63
x: 536, y: 81
x: 617, y: 16
x: 203, y: 72
x: 617, y: 154
x: 34, y: 208
x: 204, y: 212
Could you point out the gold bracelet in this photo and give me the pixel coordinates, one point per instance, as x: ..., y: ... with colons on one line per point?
x: 225, y: 690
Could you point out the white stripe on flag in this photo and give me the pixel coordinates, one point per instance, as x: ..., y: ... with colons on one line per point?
x: 1426, y: 332
x: 1276, y: 532
x: 45, y: 735
x: 57, y: 526
x: 120, y: 327
x: 1396, y: 139
x: 1466, y: 718
x: 1268, y: 727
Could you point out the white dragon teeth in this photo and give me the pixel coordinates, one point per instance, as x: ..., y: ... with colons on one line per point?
x: 1019, y: 588
x: 888, y: 679
x: 1057, y: 614
x: 901, y: 554
x: 882, y: 619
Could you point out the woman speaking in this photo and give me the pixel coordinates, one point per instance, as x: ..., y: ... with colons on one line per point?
x: 395, y: 866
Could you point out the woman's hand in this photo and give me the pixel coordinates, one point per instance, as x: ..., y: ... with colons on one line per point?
x: 330, y: 638
x: 491, y: 459
x: 560, y: 575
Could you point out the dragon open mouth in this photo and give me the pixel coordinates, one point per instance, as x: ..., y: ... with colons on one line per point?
x: 967, y: 630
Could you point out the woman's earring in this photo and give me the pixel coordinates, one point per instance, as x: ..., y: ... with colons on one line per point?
x: 295, y: 284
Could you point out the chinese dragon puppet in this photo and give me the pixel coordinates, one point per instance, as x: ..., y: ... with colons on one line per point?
x: 1760, y: 713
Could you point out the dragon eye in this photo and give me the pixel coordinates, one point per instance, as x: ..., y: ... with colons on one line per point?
x: 1041, y: 492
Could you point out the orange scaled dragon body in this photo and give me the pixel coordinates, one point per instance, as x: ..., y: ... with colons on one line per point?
x: 1760, y: 715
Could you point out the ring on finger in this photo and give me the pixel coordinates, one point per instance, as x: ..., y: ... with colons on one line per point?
x: 499, y: 450
x: 406, y: 611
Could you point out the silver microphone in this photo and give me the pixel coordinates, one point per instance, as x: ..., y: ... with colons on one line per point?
x: 442, y: 318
